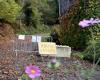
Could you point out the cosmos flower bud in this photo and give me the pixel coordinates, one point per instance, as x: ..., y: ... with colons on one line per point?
x: 53, y: 64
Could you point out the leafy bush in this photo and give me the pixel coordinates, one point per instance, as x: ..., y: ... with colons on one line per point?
x: 89, y: 52
x: 92, y: 52
x: 71, y: 34
x: 8, y: 10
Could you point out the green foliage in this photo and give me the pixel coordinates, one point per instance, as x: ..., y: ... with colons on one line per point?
x: 75, y: 37
x: 89, y: 52
x: 84, y: 73
x: 94, y: 46
x: 93, y: 8
x: 27, y: 10
x: 41, y: 29
x: 24, y: 77
x: 72, y: 34
x: 54, y: 65
x: 32, y: 14
x: 8, y: 10
x: 35, y: 16
x: 50, y: 12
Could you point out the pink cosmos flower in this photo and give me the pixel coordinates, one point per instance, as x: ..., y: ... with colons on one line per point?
x: 33, y: 71
x: 86, y: 23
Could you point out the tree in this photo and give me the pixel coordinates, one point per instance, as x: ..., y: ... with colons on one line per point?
x: 50, y: 12
x: 37, y: 14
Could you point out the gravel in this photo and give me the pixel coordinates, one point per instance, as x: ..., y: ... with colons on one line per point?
x: 69, y: 69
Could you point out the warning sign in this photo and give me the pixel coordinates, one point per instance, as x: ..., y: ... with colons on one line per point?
x: 47, y: 48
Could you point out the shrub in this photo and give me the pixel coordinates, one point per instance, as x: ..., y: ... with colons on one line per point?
x: 9, y: 10
x: 89, y: 52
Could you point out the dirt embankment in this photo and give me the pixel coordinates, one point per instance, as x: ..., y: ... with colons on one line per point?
x: 6, y: 33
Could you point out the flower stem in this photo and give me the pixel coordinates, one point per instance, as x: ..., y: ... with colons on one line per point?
x: 93, y: 44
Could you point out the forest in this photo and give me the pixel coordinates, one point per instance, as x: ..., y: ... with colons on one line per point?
x: 35, y: 15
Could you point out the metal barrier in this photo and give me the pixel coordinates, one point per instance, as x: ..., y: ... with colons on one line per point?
x: 27, y: 47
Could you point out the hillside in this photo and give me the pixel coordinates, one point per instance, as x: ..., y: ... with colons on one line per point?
x: 6, y: 32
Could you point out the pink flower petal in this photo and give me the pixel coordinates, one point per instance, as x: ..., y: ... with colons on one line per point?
x: 32, y: 76
x: 27, y: 70
x: 38, y: 74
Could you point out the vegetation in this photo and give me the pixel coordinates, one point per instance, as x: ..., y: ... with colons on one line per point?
x: 41, y: 17
x: 9, y: 10
x: 94, y: 42
x: 76, y: 37
x: 35, y: 15
x: 89, y: 52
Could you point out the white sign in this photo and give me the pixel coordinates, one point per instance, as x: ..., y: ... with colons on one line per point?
x: 22, y: 37
x: 36, y: 38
